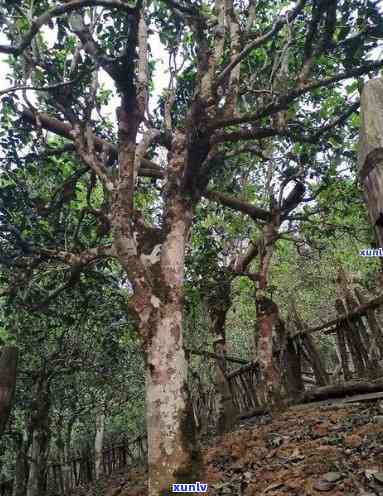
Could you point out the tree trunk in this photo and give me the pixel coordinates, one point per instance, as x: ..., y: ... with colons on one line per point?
x: 354, y: 344
x: 341, y: 343
x: 169, y: 420
x: 21, y: 466
x: 321, y: 376
x: 225, y: 408
x: 172, y: 453
x: 360, y: 331
x: 338, y: 391
x: 371, y: 152
x: 8, y: 370
x: 218, y: 302
x: 309, y: 349
x: 39, y: 428
x: 376, y: 332
x: 156, y: 274
x: 99, y: 443
x: 269, y: 388
x: 292, y: 366
x: 67, y: 469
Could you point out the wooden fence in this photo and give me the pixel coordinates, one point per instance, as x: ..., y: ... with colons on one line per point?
x: 243, y: 386
x: 358, y: 340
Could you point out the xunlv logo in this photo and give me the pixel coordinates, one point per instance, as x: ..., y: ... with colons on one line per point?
x: 197, y: 487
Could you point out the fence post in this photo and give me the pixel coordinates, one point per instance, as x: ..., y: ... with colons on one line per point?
x: 371, y: 152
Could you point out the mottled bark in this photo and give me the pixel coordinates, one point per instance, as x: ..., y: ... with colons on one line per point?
x: 8, y: 370
x: 157, y: 303
x: 169, y: 421
x: 170, y: 424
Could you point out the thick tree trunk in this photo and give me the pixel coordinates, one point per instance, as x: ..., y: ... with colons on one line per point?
x: 169, y: 421
x: 39, y: 428
x: 172, y: 455
x: 99, y: 443
x: 156, y: 274
x: 171, y: 434
x: 8, y: 369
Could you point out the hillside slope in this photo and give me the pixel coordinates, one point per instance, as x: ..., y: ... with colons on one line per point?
x: 306, y: 451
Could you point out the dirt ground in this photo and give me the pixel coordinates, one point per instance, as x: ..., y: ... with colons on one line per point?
x: 307, y: 451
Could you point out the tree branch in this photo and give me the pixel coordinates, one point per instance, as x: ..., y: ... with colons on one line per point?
x: 148, y: 168
x: 278, y: 25
x: 240, y: 206
x: 253, y: 133
x: 58, y: 11
x: 191, y: 11
x: 51, y: 87
x: 285, y: 100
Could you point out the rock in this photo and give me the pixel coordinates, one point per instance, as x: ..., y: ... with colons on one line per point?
x: 333, y: 418
x: 358, y: 420
x: 319, y: 431
x: 323, y: 485
x: 332, y: 476
x: 353, y: 441
x: 273, y: 440
x: 378, y: 476
x: 378, y: 419
x: 370, y: 473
